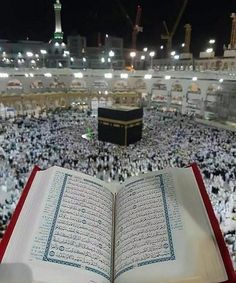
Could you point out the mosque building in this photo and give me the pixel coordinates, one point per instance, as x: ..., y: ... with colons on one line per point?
x: 73, y: 73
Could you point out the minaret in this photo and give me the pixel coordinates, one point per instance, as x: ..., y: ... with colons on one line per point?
x: 187, y: 40
x: 233, y: 32
x: 58, y: 34
x: 231, y: 51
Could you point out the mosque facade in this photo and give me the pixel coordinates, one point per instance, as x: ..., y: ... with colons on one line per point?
x: 186, y: 92
x: 47, y: 75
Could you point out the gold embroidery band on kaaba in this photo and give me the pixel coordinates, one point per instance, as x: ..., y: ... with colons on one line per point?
x: 119, y: 122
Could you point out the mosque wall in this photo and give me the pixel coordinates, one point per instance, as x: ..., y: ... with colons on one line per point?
x: 186, y: 91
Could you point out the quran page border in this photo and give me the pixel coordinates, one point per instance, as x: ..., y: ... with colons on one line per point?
x: 172, y: 253
x: 45, y: 257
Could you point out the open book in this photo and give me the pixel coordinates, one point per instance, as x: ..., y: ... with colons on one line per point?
x: 157, y: 227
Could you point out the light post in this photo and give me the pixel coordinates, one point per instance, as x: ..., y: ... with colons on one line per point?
x: 111, y: 55
x: 19, y: 58
x: 211, y: 43
x: 132, y: 55
x: 209, y: 50
x: 84, y: 62
x: 66, y: 54
x: 109, y: 60
x: 29, y: 55
x: 151, y: 54
x: 103, y: 61
x: 43, y: 52
x: 33, y: 63
x: 143, y: 60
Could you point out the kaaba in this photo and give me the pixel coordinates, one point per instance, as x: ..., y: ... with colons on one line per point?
x: 120, y: 125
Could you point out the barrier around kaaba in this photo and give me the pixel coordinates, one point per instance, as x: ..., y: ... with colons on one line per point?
x: 120, y: 125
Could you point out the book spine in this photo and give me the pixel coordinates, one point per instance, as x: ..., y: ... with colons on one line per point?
x: 215, y: 226
x: 12, y: 224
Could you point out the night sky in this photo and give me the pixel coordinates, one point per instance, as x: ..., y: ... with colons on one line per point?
x: 35, y: 19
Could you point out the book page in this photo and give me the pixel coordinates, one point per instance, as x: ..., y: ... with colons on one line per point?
x: 65, y: 229
x: 158, y: 238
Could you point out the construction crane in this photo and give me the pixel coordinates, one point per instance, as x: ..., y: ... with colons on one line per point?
x: 169, y: 35
x: 136, y: 28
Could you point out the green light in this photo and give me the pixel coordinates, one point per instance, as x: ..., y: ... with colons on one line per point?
x: 90, y: 133
x: 58, y: 35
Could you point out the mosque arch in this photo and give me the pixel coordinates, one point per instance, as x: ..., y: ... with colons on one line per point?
x: 94, y: 103
x: 176, y: 87
x: 109, y: 101
x: 177, y: 67
x: 218, y: 65
x: 117, y: 100
x: 27, y: 106
x: 212, y: 89
x: 34, y: 104
x: 37, y: 84
x: 159, y: 85
x: 213, y: 66
x: 140, y: 84
x: 206, y: 66
x: 78, y: 84
x: 225, y: 66
x: 2, y: 106
x: 49, y: 101
x: 201, y: 67
x: 18, y: 107
x: 121, y: 85
x: 102, y: 102
x: 159, y: 92
x: 138, y: 101
x: 57, y: 103
x: 84, y: 100
x: 232, y: 65
x: 53, y: 106
x: 61, y: 84
x: 194, y: 88
x: 63, y: 102
x: 144, y: 97
x: 80, y: 103
x: 102, y: 98
x: 193, y: 97
x: 211, y: 96
x: 176, y: 93
x: 14, y: 84
x: 100, y: 85
x: 56, y: 84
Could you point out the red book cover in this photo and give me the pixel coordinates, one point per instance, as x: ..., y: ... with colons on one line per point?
x: 215, y: 226
x: 214, y: 222
x: 12, y: 224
